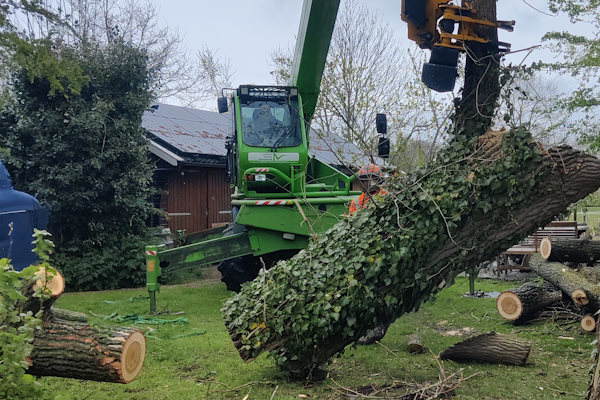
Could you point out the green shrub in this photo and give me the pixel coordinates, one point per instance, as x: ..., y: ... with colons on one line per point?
x: 114, y: 265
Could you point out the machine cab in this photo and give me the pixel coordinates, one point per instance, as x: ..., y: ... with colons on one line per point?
x: 270, y: 140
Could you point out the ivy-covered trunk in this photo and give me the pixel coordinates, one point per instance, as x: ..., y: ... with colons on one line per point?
x: 481, y: 196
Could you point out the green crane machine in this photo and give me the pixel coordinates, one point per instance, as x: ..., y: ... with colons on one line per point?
x: 282, y: 195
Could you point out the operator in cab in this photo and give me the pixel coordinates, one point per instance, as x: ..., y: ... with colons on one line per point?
x: 264, y: 128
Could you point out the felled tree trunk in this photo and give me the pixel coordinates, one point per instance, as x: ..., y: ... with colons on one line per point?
x: 577, y: 250
x: 573, y: 284
x: 67, y: 346
x: 524, y: 302
x: 489, y: 348
x: 390, y: 257
x: 592, y: 274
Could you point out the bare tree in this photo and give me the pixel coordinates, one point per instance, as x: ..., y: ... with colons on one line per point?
x: 367, y: 72
x: 176, y: 74
x: 534, y: 101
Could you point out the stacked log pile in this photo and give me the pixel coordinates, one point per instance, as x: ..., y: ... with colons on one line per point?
x: 66, y: 345
x: 561, y: 283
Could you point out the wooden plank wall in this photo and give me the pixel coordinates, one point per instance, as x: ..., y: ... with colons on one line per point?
x: 196, y: 197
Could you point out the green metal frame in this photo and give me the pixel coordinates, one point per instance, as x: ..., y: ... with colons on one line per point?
x: 305, y: 206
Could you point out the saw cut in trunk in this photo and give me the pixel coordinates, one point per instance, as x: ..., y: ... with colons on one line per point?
x: 489, y: 348
x: 576, y: 251
x: 588, y: 323
x: 524, y: 302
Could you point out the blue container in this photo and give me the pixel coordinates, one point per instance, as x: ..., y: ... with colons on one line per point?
x: 24, y: 212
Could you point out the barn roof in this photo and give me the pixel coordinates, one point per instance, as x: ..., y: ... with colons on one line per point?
x: 182, y: 134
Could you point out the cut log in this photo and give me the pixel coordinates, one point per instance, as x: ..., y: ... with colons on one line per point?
x: 588, y: 323
x: 576, y: 250
x: 73, y: 349
x: 573, y: 284
x: 414, y: 344
x: 66, y: 345
x: 524, y: 302
x: 489, y: 348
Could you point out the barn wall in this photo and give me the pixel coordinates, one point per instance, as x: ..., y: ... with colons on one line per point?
x: 196, y: 197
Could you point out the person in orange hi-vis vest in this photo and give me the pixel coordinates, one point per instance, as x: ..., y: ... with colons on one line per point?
x: 370, y: 178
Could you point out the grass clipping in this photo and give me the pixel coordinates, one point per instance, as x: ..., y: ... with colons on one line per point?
x: 477, y: 198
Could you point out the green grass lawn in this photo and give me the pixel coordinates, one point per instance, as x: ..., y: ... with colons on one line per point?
x: 208, y: 367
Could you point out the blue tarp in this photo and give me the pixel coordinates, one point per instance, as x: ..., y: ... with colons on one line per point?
x: 25, y: 213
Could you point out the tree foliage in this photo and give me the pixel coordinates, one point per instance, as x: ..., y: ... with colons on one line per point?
x: 85, y: 156
x: 177, y: 73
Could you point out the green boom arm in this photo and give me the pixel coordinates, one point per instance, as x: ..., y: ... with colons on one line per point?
x: 314, y: 36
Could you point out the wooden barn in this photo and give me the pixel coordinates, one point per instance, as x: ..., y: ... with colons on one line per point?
x: 188, y: 148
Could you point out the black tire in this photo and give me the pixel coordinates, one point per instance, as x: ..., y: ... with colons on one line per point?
x: 238, y: 270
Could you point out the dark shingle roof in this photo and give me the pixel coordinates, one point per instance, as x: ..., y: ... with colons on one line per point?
x: 199, y: 136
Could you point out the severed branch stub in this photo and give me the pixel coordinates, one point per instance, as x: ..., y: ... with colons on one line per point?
x: 414, y: 344
x: 489, y: 348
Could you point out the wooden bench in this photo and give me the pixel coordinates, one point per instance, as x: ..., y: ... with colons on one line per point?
x: 530, y: 245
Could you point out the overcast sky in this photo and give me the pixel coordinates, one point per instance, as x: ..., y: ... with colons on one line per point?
x: 248, y: 31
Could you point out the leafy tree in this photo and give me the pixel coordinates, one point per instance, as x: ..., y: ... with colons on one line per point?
x: 84, y: 154
x: 35, y: 56
x: 531, y: 99
x: 176, y: 72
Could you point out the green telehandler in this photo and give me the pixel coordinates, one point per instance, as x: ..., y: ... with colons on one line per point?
x: 282, y: 195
